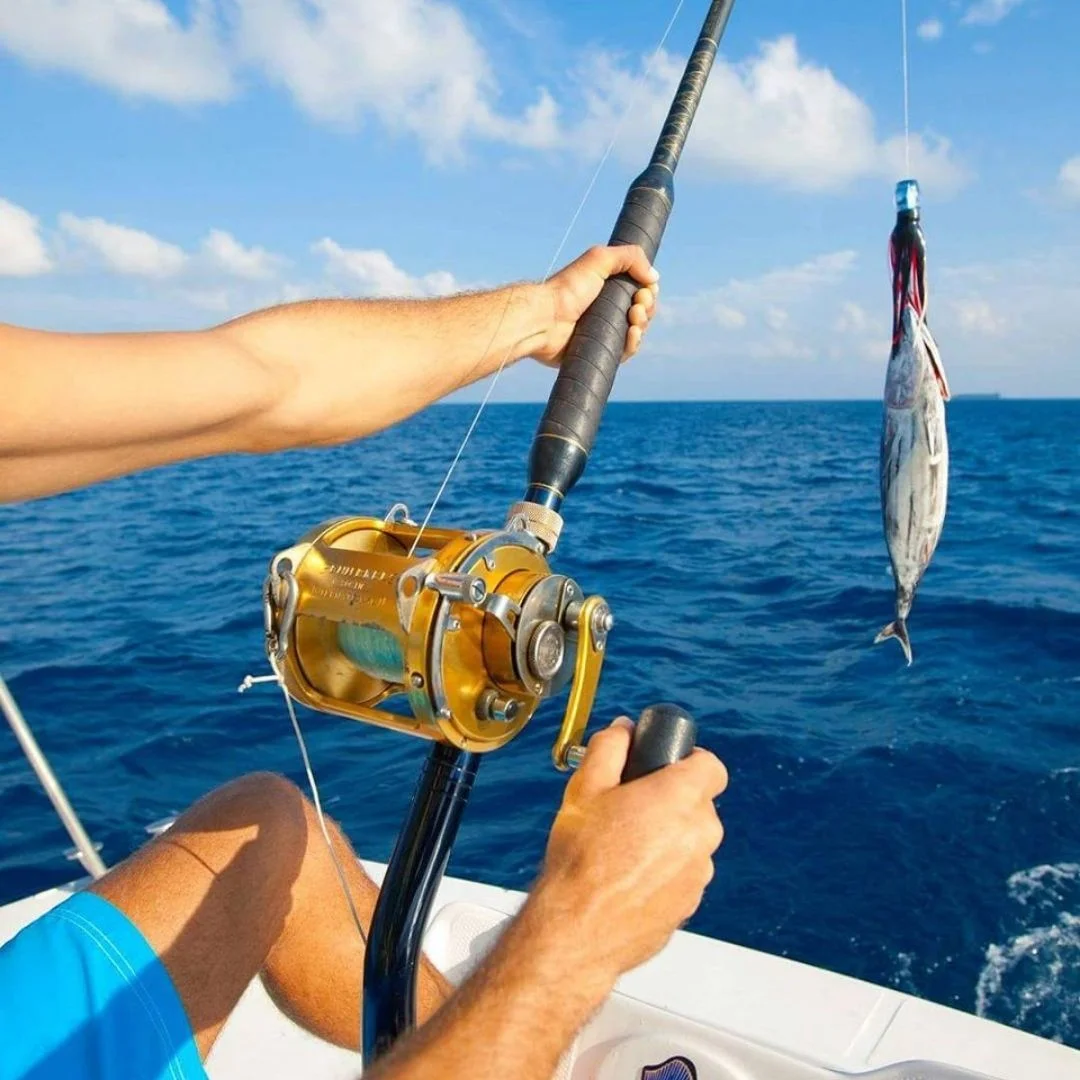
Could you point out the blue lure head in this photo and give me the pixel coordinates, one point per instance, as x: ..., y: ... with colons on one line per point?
x: 907, y: 195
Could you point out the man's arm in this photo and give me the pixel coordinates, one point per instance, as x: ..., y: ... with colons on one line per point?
x: 76, y: 408
x: 625, y: 866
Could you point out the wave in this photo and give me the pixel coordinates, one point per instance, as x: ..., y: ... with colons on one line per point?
x: 1048, y: 883
x: 1032, y: 980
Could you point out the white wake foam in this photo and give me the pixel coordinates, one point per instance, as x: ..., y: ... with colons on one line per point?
x: 1050, y: 883
x: 1033, y: 979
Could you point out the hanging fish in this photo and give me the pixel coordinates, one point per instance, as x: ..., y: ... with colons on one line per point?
x: 914, y: 444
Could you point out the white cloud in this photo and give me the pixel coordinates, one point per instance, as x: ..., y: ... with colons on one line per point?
x: 227, y: 253
x: 295, y: 291
x: 728, y: 317
x: 1012, y: 324
x: 802, y: 333
x: 853, y: 319
x: 135, y: 46
x: 220, y: 301
x: 123, y: 249
x: 417, y: 66
x: 776, y: 117
x: 201, y: 278
x: 1069, y: 179
x: 22, y: 250
x: 988, y: 12
x: 537, y: 129
x: 137, y: 253
x: 376, y: 274
x: 857, y: 333
x: 929, y: 158
x: 766, y: 318
x: 778, y: 347
x: 788, y: 285
x: 414, y: 64
x: 975, y: 315
x: 776, y: 318
x: 1007, y: 325
x: 930, y: 29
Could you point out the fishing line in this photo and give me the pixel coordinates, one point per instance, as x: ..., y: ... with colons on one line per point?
x: 907, y: 110
x: 547, y: 274
x: 317, y: 803
x: 313, y: 787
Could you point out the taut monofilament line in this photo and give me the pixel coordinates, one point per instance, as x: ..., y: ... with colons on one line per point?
x: 907, y: 84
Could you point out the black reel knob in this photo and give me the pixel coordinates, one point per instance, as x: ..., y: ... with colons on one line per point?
x: 664, y: 734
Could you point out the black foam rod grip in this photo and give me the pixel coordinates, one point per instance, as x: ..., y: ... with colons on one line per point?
x: 664, y: 734
x: 568, y: 429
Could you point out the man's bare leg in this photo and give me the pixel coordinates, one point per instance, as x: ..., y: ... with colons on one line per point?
x: 243, y: 883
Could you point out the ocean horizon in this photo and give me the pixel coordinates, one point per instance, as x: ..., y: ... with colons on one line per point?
x: 968, y: 396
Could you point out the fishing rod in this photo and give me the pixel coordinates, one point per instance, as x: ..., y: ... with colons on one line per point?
x: 568, y: 429
x: 473, y: 628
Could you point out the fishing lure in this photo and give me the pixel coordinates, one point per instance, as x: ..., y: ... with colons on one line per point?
x: 914, y: 441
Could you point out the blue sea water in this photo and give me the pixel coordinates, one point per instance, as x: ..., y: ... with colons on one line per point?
x: 919, y: 827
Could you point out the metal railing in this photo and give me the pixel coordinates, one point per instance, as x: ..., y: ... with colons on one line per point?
x: 85, y: 851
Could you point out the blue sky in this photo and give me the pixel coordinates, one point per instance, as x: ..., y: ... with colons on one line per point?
x: 172, y: 164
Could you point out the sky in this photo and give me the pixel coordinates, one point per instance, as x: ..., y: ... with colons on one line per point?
x: 172, y: 163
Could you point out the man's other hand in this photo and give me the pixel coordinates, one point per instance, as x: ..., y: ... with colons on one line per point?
x: 627, y: 864
x: 576, y: 286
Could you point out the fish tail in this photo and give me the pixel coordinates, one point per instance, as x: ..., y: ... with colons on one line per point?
x: 898, y: 630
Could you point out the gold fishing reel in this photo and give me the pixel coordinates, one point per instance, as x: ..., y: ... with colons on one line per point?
x: 472, y: 628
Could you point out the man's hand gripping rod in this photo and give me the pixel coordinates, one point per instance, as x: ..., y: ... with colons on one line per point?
x: 571, y: 420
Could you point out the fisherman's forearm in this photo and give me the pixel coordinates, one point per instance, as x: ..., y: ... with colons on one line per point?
x: 85, y: 407
x: 348, y: 368
x: 518, y: 1013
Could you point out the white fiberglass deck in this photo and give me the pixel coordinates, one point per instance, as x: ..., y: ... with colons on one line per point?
x: 736, y: 1013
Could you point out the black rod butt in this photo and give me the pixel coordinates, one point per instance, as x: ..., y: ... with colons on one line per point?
x: 664, y: 734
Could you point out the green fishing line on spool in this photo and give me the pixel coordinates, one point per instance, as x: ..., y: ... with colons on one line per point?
x: 373, y: 650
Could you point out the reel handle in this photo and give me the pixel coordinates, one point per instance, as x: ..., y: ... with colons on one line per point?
x: 663, y: 735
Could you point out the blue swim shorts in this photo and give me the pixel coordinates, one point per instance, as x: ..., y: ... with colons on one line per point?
x: 82, y: 995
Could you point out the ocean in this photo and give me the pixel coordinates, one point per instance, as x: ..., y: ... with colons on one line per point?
x: 919, y: 827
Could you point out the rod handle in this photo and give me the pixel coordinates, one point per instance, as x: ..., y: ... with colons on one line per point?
x: 663, y: 735
x: 570, y: 422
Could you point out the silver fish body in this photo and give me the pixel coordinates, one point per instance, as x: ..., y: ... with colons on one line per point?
x: 914, y: 464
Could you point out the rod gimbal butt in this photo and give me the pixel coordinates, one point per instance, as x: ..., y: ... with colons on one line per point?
x: 663, y: 735
x: 392, y: 957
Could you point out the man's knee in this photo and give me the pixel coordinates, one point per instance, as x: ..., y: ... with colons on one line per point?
x: 267, y: 803
x: 266, y: 789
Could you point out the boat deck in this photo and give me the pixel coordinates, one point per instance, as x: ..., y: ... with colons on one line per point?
x: 737, y: 1013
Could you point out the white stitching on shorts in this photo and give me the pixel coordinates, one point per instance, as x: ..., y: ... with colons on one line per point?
x: 120, y: 962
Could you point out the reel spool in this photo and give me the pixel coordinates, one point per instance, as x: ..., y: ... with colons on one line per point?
x: 472, y: 628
